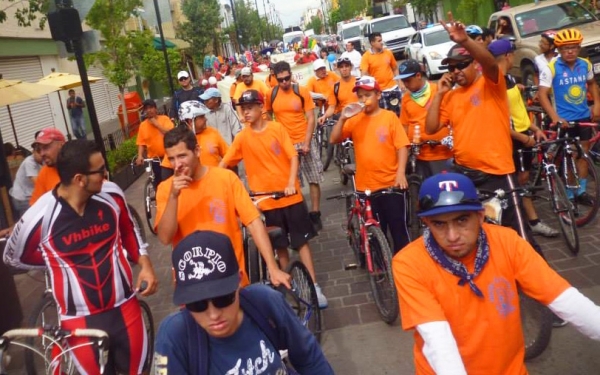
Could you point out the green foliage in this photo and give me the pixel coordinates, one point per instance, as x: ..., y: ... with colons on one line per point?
x: 202, y: 27
x: 349, y: 9
x: 27, y: 12
x: 467, y: 11
x: 427, y: 7
x: 316, y: 24
x: 122, y: 155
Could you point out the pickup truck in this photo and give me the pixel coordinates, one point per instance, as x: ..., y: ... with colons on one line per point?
x: 529, y: 21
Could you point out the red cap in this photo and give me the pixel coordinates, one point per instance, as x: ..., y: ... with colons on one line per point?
x: 49, y: 135
x: 366, y: 82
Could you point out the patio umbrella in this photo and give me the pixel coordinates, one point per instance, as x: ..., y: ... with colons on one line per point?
x: 16, y: 91
x: 64, y: 81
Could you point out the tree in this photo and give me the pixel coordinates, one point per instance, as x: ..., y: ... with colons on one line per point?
x: 203, y: 25
x: 316, y: 24
x: 426, y: 8
x: 27, y: 12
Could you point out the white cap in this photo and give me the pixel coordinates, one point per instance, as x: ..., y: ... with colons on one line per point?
x: 183, y: 74
x: 318, y: 64
x: 246, y: 71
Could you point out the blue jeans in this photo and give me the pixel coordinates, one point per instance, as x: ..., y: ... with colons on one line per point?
x: 78, y: 126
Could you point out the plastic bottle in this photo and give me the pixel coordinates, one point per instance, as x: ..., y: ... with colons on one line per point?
x: 352, y: 109
x: 417, y: 134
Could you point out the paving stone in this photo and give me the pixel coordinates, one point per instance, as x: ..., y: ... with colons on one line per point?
x: 576, y: 279
x: 336, y: 291
x: 368, y: 313
x: 355, y: 299
x: 570, y: 263
x: 340, y: 317
x: 592, y: 273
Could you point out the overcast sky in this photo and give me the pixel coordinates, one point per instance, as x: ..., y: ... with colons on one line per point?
x: 290, y: 11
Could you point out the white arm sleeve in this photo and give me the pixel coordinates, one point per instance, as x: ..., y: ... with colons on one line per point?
x: 578, y: 310
x: 440, y: 348
x: 546, y: 77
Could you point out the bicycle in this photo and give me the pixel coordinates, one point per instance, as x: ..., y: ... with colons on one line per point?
x: 564, y: 155
x: 58, y: 338
x: 329, y: 148
x: 558, y: 198
x: 321, y: 132
x: 302, y: 297
x: 371, y: 247
x: 391, y: 99
x: 536, y: 319
x: 149, y: 193
x: 344, y: 155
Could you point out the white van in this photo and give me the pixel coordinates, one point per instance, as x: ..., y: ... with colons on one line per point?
x: 395, y: 31
x: 352, y: 32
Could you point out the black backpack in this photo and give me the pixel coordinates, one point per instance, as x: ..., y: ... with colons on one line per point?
x: 295, y: 89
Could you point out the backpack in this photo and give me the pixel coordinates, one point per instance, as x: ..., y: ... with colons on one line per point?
x: 198, y: 338
x: 336, y: 90
x: 295, y: 89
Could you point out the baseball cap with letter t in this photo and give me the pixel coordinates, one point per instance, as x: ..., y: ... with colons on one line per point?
x: 205, y: 267
x: 447, y: 192
x: 49, y: 135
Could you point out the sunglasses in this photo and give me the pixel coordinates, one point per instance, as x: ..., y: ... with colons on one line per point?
x: 101, y: 170
x: 344, y: 60
x: 446, y: 198
x: 459, y: 66
x: 220, y: 302
x: 284, y: 79
x: 183, y: 78
x: 365, y: 82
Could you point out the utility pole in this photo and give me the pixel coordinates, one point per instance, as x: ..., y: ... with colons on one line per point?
x: 238, y: 37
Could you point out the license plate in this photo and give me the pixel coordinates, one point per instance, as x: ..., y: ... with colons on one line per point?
x: 597, y: 68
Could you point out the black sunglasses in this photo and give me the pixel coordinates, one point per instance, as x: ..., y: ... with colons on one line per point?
x: 183, y: 78
x: 101, y: 170
x: 459, y: 66
x: 284, y: 79
x: 446, y: 198
x: 220, y: 302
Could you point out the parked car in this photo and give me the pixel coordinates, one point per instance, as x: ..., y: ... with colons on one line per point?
x: 529, y: 21
x: 395, y: 32
x: 430, y: 46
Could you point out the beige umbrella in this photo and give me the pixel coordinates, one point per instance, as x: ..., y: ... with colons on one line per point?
x: 16, y: 91
x: 64, y: 81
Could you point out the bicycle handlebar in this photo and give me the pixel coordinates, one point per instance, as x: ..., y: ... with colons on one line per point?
x: 572, y: 124
x: 272, y: 194
x: 36, y: 332
x: 484, y: 194
x: 428, y: 143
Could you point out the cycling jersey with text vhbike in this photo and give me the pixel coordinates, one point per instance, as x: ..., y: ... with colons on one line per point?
x: 85, y: 255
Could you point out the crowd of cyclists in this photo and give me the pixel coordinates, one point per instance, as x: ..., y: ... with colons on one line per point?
x: 264, y: 139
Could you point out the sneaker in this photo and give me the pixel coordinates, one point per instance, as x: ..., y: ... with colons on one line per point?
x: 558, y: 322
x: 585, y: 199
x: 321, y: 297
x: 544, y: 230
x: 315, y: 218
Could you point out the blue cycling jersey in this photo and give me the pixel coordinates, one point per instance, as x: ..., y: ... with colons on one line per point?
x: 569, y: 88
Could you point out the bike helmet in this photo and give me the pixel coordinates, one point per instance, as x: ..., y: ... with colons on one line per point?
x: 568, y: 36
x: 191, y: 109
x: 550, y: 35
x: 473, y: 30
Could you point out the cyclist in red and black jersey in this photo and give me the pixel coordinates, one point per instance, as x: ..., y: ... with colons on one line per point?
x: 83, y: 233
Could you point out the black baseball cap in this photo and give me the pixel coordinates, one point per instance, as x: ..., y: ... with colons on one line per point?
x: 149, y: 103
x: 251, y: 97
x: 408, y: 68
x: 457, y: 53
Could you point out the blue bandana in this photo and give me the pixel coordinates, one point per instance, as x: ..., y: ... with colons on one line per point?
x: 454, y: 266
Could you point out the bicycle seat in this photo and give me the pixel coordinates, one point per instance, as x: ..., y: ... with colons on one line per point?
x: 350, y: 169
x: 275, y: 234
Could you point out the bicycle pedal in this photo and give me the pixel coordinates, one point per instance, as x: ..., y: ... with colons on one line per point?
x: 351, y: 266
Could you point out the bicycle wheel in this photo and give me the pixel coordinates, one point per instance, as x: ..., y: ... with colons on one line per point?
x: 319, y: 140
x: 328, y: 149
x: 585, y: 212
x: 353, y: 232
x: 251, y: 255
x: 45, y: 313
x: 137, y: 219
x: 414, y: 223
x: 536, y: 321
x: 306, y: 305
x: 149, y: 326
x: 150, y: 205
x: 563, y: 208
x: 382, y: 282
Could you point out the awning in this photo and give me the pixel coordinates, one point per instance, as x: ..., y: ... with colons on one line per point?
x: 158, y: 45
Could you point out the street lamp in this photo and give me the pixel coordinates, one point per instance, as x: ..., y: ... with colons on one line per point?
x: 164, y: 46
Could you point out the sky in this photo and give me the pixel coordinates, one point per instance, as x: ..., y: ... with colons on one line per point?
x: 290, y: 11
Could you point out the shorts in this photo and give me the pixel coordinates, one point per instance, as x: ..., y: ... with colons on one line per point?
x: 128, y: 344
x: 584, y: 133
x: 295, y: 224
x: 310, y: 164
x: 522, y: 164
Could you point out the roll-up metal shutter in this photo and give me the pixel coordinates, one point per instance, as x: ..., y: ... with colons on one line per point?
x: 29, y: 116
x: 106, y: 96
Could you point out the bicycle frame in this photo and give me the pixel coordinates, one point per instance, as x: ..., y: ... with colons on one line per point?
x: 365, y: 219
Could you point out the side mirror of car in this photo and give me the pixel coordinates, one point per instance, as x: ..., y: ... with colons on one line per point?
x: 417, y: 45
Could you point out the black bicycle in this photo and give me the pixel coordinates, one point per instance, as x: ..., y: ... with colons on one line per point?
x: 344, y: 155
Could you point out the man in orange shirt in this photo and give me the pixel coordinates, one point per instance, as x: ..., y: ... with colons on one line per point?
x: 292, y: 106
x: 150, y: 138
x: 322, y: 83
x: 49, y: 141
x: 343, y: 93
x: 415, y: 103
x: 248, y: 83
x: 238, y: 79
x: 198, y: 197
x: 478, y: 112
x: 381, y: 153
x: 272, y: 165
x: 457, y: 286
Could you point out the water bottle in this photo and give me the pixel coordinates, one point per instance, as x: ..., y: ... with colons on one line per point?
x: 417, y: 135
x: 352, y: 109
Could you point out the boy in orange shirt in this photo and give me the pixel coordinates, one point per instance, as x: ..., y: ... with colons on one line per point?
x: 150, y: 138
x: 199, y: 197
x: 272, y: 165
x: 381, y: 153
x: 457, y: 286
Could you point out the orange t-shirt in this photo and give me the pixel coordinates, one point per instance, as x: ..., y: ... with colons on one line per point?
x: 345, y: 95
x: 380, y: 66
x: 212, y: 203
x: 257, y: 85
x: 232, y: 89
x: 413, y: 114
x: 212, y: 148
x: 288, y: 111
x: 267, y: 157
x: 487, y: 330
x: 479, y: 116
x: 152, y: 138
x: 271, y: 81
x: 322, y: 85
x: 377, y: 139
x: 46, y: 180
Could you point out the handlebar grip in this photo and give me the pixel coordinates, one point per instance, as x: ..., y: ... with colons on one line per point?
x: 89, y: 332
x: 143, y: 286
x: 22, y: 332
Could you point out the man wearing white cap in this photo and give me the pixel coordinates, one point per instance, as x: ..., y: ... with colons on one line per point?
x: 221, y: 117
x: 248, y: 83
x: 187, y: 92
